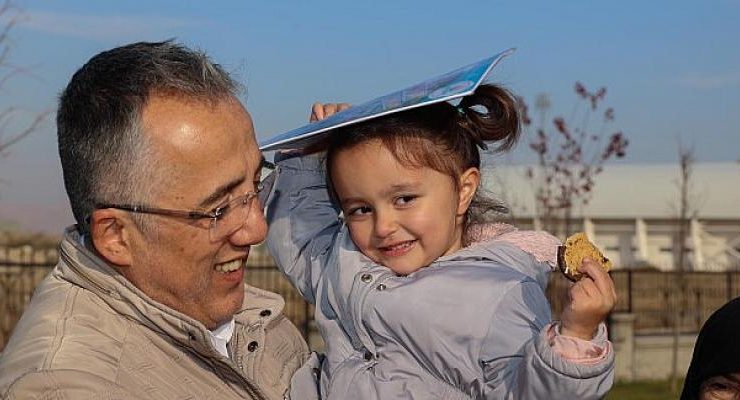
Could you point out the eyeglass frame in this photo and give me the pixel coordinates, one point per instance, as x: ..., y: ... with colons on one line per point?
x: 215, y: 215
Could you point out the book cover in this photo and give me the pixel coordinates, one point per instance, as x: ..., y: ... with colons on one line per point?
x: 450, y: 86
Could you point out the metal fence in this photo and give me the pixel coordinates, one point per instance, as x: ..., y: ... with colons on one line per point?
x: 21, y: 269
x: 653, y: 296
x: 657, y: 301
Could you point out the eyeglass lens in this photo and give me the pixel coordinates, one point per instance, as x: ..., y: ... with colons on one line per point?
x: 234, y: 216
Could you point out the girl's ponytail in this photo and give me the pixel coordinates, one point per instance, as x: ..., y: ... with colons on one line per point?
x: 490, y: 114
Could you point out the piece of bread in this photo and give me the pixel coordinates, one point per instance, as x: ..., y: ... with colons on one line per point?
x: 575, y: 249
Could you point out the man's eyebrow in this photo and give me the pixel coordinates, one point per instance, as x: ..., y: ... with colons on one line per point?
x: 222, y: 191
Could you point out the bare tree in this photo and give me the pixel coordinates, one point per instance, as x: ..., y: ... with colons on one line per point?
x: 686, y: 210
x: 10, y: 132
x: 569, y: 156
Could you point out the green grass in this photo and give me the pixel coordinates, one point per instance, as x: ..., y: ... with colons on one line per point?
x: 646, y: 390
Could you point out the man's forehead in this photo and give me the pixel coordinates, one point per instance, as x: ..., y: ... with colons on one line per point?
x: 255, y: 160
x: 184, y: 124
x: 209, y: 147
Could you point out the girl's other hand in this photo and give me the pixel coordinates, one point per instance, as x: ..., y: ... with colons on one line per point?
x: 320, y: 111
x: 589, y: 302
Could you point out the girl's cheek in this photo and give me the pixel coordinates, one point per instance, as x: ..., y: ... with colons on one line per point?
x: 359, y: 234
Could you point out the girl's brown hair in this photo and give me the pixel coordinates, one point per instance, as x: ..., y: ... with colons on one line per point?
x: 443, y: 137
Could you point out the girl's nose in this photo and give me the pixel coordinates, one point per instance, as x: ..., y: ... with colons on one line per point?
x: 385, y: 224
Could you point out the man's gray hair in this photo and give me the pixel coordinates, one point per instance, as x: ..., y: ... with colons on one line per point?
x: 105, y: 155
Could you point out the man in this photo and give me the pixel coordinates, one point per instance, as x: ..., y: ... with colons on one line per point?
x: 162, y: 171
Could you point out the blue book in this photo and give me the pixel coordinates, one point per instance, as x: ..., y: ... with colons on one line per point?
x: 452, y: 85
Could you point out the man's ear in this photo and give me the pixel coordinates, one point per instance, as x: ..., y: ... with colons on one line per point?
x: 467, y: 186
x: 109, y: 231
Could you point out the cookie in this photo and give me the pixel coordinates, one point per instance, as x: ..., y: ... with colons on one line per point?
x: 575, y: 249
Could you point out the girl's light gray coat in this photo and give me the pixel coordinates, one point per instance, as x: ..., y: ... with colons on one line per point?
x: 468, y: 326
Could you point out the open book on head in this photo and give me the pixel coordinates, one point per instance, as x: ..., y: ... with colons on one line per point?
x: 447, y: 87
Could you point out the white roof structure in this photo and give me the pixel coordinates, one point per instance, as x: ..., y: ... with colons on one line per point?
x: 632, y: 190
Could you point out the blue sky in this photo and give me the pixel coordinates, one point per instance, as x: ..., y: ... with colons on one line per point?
x: 672, y: 69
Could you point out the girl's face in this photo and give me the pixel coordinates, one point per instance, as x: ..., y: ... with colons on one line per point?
x: 403, y: 218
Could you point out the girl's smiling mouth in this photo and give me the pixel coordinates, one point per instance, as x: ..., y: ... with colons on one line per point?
x: 398, y: 249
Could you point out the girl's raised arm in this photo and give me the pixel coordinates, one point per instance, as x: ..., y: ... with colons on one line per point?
x: 302, y: 219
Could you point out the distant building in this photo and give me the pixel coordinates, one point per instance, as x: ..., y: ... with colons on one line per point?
x: 633, y: 215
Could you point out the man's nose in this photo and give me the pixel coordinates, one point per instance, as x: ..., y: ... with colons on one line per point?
x: 254, y: 228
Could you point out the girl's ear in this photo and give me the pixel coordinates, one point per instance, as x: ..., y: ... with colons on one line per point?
x: 467, y: 186
x: 109, y: 236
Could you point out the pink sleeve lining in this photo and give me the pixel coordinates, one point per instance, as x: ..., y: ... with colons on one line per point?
x: 578, y: 350
x: 540, y: 244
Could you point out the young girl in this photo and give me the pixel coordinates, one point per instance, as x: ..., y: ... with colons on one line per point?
x: 416, y: 296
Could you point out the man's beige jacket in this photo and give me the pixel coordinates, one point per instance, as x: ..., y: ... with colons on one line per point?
x: 90, y: 334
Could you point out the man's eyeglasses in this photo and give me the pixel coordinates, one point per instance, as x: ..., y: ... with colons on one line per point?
x: 224, y: 219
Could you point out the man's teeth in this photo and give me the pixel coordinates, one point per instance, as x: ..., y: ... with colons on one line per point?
x: 229, y: 266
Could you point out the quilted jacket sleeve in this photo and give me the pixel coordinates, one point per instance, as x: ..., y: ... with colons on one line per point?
x: 303, y: 221
x: 519, y: 362
x: 66, y: 385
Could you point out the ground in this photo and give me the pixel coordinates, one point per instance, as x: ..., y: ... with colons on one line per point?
x: 647, y: 390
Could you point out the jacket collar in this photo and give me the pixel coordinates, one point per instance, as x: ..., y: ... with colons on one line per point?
x: 83, y: 267
x: 533, y: 253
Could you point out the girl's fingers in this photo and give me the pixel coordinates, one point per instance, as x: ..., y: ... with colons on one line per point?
x: 578, y: 291
x: 330, y: 109
x: 342, y: 106
x: 596, y: 284
x: 317, y: 112
x: 589, y: 287
x: 320, y: 111
x: 602, y: 280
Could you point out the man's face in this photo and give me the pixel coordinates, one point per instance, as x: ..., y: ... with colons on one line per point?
x: 210, y: 155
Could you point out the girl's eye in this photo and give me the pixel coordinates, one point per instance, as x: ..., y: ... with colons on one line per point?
x: 405, y: 200
x: 358, y: 211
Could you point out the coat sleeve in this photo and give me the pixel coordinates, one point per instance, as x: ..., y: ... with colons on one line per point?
x: 66, y: 385
x: 519, y: 362
x: 303, y: 221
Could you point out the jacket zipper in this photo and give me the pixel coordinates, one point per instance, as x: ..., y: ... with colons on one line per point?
x: 361, y: 329
x: 253, y: 391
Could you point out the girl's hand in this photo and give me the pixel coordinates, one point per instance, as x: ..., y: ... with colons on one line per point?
x: 589, y: 302
x: 320, y: 111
